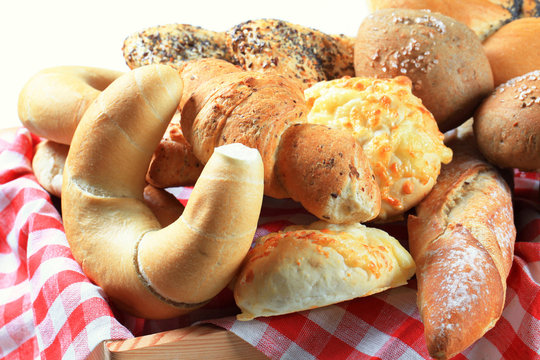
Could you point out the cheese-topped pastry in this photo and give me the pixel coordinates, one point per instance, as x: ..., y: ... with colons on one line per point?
x: 304, y: 267
x: 398, y: 134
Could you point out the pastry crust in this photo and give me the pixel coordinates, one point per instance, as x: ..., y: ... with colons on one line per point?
x: 324, y: 169
x: 173, y: 163
x: 301, y: 268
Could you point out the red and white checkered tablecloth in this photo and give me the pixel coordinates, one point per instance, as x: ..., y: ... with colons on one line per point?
x: 50, y: 310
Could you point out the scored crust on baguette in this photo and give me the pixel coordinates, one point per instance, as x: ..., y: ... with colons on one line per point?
x: 462, y: 240
x: 173, y: 44
x: 304, y: 267
x: 397, y: 133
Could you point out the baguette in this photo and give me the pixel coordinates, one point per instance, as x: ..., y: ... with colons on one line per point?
x: 462, y: 240
x: 147, y: 270
x: 324, y: 169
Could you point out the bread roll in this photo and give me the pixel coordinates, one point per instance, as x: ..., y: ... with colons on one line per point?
x: 48, y: 165
x: 173, y: 44
x: 52, y: 102
x: 150, y: 271
x: 443, y: 58
x: 173, y: 163
x: 398, y: 134
x: 301, y: 268
x: 482, y: 16
x: 324, y: 169
x: 513, y: 50
x: 300, y: 53
x: 507, y: 124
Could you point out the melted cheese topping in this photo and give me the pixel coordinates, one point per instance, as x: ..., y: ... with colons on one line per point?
x: 398, y: 134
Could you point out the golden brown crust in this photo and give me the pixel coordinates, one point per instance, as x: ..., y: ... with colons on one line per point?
x: 442, y: 57
x: 197, y: 72
x: 54, y: 114
x: 482, y: 16
x: 152, y: 271
x: 506, y: 124
x: 303, y: 267
x: 513, y: 50
x: 216, y: 114
x: 173, y: 162
x: 462, y: 240
x: 255, y: 109
x: 325, y: 169
x: 48, y: 165
x: 298, y: 52
x: 163, y: 204
x: 530, y: 8
x: 173, y: 44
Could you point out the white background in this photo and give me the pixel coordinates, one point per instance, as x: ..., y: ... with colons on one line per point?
x: 40, y: 34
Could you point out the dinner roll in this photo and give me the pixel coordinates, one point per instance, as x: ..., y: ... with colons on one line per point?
x: 444, y: 59
x: 398, y: 134
x: 507, y: 124
x: 514, y: 49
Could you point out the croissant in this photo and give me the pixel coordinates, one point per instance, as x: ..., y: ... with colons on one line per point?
x: 322, y: 168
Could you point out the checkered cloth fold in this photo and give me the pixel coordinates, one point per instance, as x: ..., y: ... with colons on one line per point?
x: 50, y: 310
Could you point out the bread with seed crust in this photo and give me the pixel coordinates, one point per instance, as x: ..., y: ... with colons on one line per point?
x: 507, y: 126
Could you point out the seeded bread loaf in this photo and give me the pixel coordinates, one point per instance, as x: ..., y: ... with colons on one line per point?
x: 173, y: 44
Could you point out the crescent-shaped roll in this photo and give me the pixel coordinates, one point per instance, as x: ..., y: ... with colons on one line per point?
x: 150, y: 271
x: 54, y: 100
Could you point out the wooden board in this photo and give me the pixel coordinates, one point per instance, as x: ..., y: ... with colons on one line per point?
x: 194, y: 342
